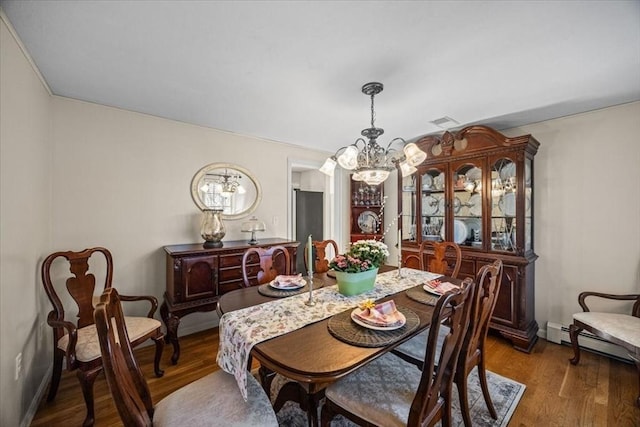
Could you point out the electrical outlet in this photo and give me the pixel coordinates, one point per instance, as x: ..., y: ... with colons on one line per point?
x: 275, y: 220
x: 18, y: 366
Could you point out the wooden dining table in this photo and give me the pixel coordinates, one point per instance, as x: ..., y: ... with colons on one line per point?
x: 311, y: 357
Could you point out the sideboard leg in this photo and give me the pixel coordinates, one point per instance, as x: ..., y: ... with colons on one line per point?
x: 171, y: 322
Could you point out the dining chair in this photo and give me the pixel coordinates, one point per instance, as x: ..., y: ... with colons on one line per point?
x: 440, y: 255
x: 271, y: 264
x: 322, y: 259
x: 388, y: 391
x: 622, y: 329
x: 74, y: 335
x: 213, y: 400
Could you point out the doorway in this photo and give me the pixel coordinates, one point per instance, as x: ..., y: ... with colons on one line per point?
x: 309, y: 221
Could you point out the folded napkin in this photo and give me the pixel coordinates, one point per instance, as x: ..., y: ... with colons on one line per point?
x: 283, y: 281
x: 440, y: 287
x: 383, y: 314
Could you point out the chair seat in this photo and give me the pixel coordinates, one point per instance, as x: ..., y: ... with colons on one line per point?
x: 395, y: 383
x: 88, y: 347
x: 623, y: 327
x: 215, y: 400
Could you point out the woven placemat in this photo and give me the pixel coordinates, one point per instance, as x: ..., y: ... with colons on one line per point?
x: 417, y: 293
x: 342, y: 327
x: 269, y: 291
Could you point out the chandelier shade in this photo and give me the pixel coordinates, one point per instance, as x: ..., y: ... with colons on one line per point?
x: 371, y: 162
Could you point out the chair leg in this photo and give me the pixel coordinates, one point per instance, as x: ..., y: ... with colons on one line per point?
x: 461, y: 383
x: 573, y: 334
x: 638, y: 366
x: 326, y: 415
x: 87, y: 378
x: 57, y: 373
x: 156, y: 360
x: 482, y: 374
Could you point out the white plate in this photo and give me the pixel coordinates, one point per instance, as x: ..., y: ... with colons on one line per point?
x: 476, y: 205
x: 274, y: 285
x: 474, y: 174
x: 460, y: 231
x: 473, y: 224
x: 429, y: 205
x: 508, y: 171
x: 368, y: 222
x: 438, y: 181
x: 354, y: 317
x: 427, y: 182
x: 507, y: 204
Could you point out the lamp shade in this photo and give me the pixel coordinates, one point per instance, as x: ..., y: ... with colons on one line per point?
x: 328, y: 167
x: 349, y: 159
x: 415, y: 156
x: 406, y: 169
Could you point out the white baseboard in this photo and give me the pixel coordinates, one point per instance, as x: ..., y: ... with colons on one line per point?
x: 559, y: 334
x: 35, y: 402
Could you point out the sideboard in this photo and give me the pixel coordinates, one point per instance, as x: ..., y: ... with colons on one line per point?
x: 198, y: 276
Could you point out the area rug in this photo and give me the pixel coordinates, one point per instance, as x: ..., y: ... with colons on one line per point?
x: 505, y: 394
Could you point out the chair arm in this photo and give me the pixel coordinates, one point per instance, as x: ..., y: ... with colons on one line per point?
x: 72, y: 331
x: 152, y: 300
x: 628, y: 297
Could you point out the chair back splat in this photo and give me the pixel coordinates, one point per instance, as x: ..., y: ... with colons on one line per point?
x: 272, y: 262
x: 322, y: 258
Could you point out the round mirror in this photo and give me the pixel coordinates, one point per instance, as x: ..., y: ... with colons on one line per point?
x: 228, y: 187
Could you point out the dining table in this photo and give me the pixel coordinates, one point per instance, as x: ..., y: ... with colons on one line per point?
x: 314, y: 355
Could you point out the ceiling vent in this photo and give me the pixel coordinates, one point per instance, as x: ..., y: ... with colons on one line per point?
x: 445, y: 122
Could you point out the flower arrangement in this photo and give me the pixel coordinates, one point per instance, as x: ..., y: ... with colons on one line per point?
x: 363, y: 255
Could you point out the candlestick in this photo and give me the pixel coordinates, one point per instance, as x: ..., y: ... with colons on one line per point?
x: 399, y: 254
x: 310, y: 302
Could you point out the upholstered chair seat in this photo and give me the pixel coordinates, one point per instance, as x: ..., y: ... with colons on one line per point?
x: 215, y: 400
x: 619, y: 326
x: 88, y: 347
x: 381, y: 394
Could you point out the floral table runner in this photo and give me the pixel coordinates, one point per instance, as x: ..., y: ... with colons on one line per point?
x: 240, y: 330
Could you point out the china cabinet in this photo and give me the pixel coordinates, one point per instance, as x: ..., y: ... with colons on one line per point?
x: 367, y: 218
x: 476, y: 189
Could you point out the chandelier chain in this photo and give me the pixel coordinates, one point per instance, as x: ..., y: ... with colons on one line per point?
x: 373, y: 111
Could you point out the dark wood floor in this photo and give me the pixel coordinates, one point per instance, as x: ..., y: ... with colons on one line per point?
x: 598, y: 392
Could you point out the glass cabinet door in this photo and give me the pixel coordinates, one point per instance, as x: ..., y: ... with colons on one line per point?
x: 432, y: 203
x: 466, y: 205
x: 503, y: 204
x: 528, y: 207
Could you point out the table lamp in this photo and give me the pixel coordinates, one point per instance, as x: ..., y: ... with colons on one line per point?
x: 253, y: 225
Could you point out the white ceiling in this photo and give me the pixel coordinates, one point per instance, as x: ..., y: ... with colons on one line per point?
x: 291, y: 71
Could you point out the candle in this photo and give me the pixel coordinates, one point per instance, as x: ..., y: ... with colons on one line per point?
x: 310, y: 255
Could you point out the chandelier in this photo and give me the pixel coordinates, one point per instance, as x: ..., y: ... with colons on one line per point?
x: 372, y: 163
x: 223, y: 183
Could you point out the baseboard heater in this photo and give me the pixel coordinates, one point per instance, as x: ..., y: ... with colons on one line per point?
x: 559, y: 334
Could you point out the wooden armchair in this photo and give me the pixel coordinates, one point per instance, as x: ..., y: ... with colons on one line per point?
x: 440, y: 254
x: 472, y: 353
x: 390, y: 392
x: 213, y: 400
x: 271, y: 264
x: 75, y: 338
x: 618, y: 328
x: 321, y: 264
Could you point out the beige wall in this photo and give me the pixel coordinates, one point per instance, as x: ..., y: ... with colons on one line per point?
x: 25, y: 225
x: 587, y: 208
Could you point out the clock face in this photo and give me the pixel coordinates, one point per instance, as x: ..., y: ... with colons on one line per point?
x: 369, y: 222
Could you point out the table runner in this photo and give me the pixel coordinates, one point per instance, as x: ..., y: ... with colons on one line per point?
x: 240, y: 330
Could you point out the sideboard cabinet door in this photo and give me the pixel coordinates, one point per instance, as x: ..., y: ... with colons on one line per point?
x: 199, y: 277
